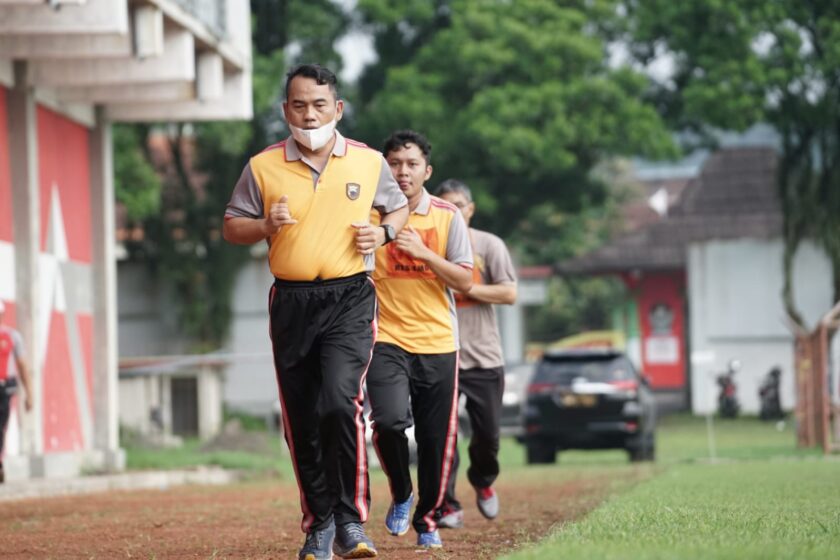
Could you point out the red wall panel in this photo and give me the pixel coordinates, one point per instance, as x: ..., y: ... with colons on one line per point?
x: 62, y: 425
x: 86, y: 340
x: 6, y: 233
x: 64, y: 181
x: 63, y: 153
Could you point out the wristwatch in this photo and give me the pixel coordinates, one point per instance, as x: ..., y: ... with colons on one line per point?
x: 390, y: 234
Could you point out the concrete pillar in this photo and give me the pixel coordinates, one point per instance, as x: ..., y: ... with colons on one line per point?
x: 105, y: 373
x: 23, y: 159
x: 209, y: 401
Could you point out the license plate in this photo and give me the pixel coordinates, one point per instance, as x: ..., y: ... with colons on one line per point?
x: 572, y: 400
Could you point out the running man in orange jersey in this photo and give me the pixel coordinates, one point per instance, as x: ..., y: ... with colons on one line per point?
x: 310, y: 197
x: 413, y: 373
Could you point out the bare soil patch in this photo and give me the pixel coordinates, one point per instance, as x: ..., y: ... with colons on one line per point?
x: 260, y: 519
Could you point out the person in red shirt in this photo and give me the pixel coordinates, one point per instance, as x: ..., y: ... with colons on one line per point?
x: 12, y: 366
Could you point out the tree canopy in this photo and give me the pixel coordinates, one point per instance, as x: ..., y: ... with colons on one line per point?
x: 737, y: 63
x: 517, y: 98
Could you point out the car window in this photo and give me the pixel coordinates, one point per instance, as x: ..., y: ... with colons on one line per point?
x: 593, y: 368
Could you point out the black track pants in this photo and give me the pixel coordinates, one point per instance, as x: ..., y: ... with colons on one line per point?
x: 322, y: 334
x: 5, y: 409
x: 429, y: 383
x: 483, y: 389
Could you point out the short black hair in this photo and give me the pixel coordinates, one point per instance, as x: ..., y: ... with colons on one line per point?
x: 402, y: 138
x: 454, y: 186
x: 321, y: 75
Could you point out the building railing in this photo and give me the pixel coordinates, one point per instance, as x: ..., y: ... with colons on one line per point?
x: 209, y: 12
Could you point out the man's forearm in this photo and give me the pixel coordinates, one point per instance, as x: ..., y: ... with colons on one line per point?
x: 504, y: 294
x: 453, y: 275
x: 396, y: 219
x: 244, y: 231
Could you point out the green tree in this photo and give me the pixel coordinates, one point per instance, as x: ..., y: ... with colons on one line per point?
x: 737, y: 63
x: 136, y: 184
x: 516, y: 98
x: 574, y: 305
x: 550, y: 235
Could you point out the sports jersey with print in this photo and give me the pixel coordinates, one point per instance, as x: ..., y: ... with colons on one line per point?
x: 416, y: 308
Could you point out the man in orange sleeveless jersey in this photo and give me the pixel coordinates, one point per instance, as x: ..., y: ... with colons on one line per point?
x: 11, y: 361
x: 310, y: 197
x: 415, y: 360
x: 481, y: 377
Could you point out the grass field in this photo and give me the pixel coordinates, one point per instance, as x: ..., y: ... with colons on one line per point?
x: 760, y: 498
x: 780, y: 509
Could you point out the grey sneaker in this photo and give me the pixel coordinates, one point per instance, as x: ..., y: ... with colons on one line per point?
x: 319, y: 544
x: 488, y: 502
x: 352, y: 542
x: 451, y: 518
x: 429, y: 540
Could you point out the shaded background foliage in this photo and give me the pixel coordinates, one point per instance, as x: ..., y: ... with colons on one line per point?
x: 517, y: 99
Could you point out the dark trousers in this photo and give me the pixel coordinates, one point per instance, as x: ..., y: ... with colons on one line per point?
x: 427, y: 383
x: 322, y: 334
x: 5, y: 409
x: 483, y: 389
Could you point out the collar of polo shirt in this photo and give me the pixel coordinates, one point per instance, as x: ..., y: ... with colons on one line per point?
x: 425, y: 203
x: 293, y: 152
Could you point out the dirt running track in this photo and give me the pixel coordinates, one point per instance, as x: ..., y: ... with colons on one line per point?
x: 260, y: 520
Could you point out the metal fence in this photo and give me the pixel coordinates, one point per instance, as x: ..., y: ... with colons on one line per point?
x: 210, y: 12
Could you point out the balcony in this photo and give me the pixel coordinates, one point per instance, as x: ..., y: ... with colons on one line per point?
x: 209, y: 12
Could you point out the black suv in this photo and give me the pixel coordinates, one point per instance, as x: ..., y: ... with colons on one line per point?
x: 588, y: 399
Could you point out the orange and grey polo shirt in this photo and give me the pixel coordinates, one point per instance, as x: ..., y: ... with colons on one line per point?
x: 416, y: 309
x: 321, y: 245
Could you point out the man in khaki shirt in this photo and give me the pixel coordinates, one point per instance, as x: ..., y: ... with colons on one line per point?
x: 481, y: 376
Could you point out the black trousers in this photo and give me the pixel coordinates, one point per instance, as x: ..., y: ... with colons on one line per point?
x: 322, y: 334
x: 5, y: 409
x: 483, y: 389
x: 428, y: 384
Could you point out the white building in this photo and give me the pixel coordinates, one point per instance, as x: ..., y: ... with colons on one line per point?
x: 68, y: 69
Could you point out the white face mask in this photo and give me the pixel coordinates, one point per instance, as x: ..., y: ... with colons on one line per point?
x: 315, y: 138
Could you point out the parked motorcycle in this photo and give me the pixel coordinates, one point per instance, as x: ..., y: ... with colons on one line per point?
x: 768, y: 396
x: 728, y: 405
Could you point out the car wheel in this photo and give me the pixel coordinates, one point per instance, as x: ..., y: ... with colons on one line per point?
x: 540, y: 452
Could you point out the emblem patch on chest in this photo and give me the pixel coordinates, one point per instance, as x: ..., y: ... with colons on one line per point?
x: 353, y: 190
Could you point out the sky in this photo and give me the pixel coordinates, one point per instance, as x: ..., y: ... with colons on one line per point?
x: 356, y: 48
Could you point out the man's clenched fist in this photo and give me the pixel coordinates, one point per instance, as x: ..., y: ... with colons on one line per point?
x: 278, y: 216
x: 368, y: 237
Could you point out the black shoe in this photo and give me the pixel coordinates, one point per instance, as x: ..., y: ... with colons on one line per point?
x: 318, y: 545
x: 352, y: 542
